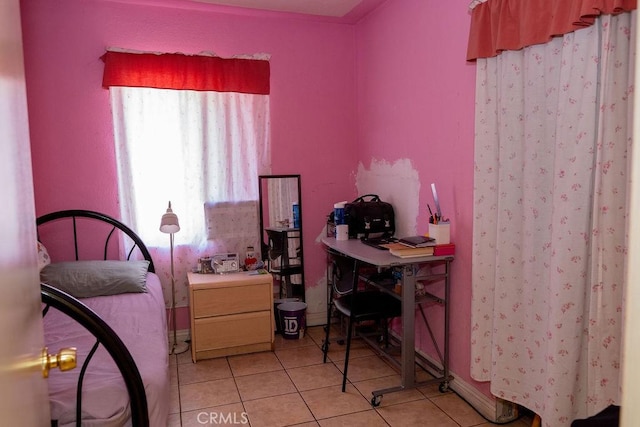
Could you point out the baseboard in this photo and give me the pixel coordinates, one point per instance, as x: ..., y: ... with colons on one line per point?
x: 492, y: 408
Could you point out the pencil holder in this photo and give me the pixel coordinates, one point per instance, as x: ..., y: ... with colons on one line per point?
x: 440, y: 232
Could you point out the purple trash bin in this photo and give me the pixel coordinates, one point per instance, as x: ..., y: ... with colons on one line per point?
x: 276, y: 316
x: 292, y: 319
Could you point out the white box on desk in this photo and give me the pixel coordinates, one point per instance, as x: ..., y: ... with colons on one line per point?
x: 441, y: 232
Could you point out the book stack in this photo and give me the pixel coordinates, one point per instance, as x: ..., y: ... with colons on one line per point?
x: 419, y: 246
x: 413, y: 246
x: 408, y: 252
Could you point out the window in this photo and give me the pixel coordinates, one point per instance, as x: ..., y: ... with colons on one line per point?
x: 191, y: 133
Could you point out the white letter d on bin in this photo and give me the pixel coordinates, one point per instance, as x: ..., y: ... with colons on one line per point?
x: 290, y: 324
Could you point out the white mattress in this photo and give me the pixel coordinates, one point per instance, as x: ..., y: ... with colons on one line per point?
x: 139, y: 319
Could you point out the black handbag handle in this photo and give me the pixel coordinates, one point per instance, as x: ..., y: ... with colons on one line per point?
x: 374, y: 198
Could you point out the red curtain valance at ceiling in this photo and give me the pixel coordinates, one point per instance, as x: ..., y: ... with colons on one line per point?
x: 498, y: 25
x: 186, y: 72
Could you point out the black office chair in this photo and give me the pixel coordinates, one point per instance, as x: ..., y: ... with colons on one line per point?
x: 281, y: 262
x: 357, y: 305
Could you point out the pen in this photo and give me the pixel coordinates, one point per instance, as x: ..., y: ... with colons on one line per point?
x: 431, y: 217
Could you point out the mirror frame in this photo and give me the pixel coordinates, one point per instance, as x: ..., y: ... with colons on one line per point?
x: 264, y: 245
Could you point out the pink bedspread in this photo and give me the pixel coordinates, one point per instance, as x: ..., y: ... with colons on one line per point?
x: 139, y: 319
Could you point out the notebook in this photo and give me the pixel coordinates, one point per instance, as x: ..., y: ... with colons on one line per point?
x: 417, y: 241
x: 379, y: 242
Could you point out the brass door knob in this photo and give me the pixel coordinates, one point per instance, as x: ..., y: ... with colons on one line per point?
x: 65, y: 360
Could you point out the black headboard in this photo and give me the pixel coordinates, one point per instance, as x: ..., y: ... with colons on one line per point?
x: 78, y: 213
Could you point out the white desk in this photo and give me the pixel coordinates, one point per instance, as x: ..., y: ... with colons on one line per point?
x: 382, y: 259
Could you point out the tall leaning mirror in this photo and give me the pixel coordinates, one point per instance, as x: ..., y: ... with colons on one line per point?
x: 281, y: 233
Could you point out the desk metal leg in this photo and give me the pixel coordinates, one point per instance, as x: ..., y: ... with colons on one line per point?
x: 407, y: 346
x: 447, y: 281
x: 408, y: 336
x: 408, y: 326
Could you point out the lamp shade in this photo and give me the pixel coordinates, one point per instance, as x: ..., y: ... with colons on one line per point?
x: 169, y: 223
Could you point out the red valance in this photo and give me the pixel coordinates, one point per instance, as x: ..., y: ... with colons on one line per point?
x: 498, y: 25
x: 191, y: 72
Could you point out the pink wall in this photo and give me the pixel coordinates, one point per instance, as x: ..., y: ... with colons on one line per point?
x: 394, y: 86
x: 416, y: 100
x: 312, y: 95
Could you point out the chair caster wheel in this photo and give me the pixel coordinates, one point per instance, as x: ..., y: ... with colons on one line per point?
x: 375, y: 401
x: 444, y: 386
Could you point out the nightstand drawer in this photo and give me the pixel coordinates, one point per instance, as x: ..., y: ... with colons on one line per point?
x: 229, y: 300
x: 230, y: 314
x: 233, y: 330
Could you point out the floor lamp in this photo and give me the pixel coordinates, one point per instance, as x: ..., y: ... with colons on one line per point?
x: 169, y: 224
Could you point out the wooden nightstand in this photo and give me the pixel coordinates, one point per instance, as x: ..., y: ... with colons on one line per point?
x: 230, y: 314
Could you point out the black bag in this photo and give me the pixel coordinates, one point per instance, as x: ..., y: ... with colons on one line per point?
x: 369, y: 218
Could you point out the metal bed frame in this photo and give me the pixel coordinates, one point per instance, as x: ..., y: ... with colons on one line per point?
x: 82, y: 314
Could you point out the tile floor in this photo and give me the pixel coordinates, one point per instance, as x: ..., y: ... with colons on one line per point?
x: 291, y: 386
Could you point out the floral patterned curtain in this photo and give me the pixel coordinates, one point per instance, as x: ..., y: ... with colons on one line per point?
x: 553, y: 130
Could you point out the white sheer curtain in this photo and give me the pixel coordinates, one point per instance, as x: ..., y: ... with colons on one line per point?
x: 192, y: 148
x: 553, y: 129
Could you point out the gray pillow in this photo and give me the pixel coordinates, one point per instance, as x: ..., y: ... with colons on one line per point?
x: 84, y: 279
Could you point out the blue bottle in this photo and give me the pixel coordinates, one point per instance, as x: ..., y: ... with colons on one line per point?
x: 296, y: 215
